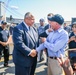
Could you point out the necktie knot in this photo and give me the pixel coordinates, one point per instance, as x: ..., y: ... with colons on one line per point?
x: 29, y: 28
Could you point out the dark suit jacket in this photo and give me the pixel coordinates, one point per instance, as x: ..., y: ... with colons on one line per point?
x: 23, y: 43
x: 44, y: 33
x: 11, y: 29
x: 47, y: 26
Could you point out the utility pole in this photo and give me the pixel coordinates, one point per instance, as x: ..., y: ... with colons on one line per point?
x: 2, y: 11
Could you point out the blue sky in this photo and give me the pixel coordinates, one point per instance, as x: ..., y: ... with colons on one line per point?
x: 40, y: 8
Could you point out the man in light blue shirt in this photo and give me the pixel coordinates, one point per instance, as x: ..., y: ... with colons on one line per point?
x: 55, y: 44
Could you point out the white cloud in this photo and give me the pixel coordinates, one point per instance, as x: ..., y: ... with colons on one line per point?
x: 14, y: 7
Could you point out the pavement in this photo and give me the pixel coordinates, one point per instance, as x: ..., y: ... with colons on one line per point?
x: 41, y: 68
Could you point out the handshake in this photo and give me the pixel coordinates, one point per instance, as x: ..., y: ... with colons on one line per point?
x: 33, y: 53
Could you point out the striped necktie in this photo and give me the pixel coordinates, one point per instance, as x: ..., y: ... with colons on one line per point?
x: 31, y: 32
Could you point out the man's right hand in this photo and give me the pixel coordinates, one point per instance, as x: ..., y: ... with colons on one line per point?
x: 50, y: 29
x: 33, y: 53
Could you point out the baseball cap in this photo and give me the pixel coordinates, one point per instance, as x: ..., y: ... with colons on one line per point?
x: 3, y: 22
x: 74, y: 23
x: 42, y: 20
x: 57, y: 18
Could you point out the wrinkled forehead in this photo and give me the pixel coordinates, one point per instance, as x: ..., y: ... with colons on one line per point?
x: 31, y: 17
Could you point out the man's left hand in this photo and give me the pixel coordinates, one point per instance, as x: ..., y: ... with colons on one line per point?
x: 43, y: 39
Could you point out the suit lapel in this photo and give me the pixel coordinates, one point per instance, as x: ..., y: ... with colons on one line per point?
x: 24, y: 27
x: 26, y: 31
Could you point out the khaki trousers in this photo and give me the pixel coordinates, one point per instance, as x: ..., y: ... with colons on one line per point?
x: 54, y: 68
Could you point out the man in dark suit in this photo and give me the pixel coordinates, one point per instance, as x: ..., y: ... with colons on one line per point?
x: 47, y: 27
x: 25, y: 38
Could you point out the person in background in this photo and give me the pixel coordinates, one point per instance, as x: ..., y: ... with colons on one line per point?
x: 41, y: 26
x: 40, y: 31
x: 65, y: 64
x: 67, y: 28
x: 25, y: 39
x: 72, y: 37
x: 55, y: 44
x: 4, y: 48
x: 11, y: 28
x: 47, y: 27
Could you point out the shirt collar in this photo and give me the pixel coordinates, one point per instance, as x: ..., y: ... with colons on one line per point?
x: 60, y: 29
x: 26, y: 25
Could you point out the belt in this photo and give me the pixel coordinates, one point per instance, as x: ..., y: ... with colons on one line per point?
x: 54, y: 57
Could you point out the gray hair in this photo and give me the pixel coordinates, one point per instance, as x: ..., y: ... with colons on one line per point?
x: 28, y: 15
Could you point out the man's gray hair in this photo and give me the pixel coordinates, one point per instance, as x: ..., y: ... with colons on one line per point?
x: 28, y: 15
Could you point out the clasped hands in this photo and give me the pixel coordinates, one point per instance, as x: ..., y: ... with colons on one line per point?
x: 3, y: 43
x: 43, y: 39
x: 73, y: 38
x: 33, y: 53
